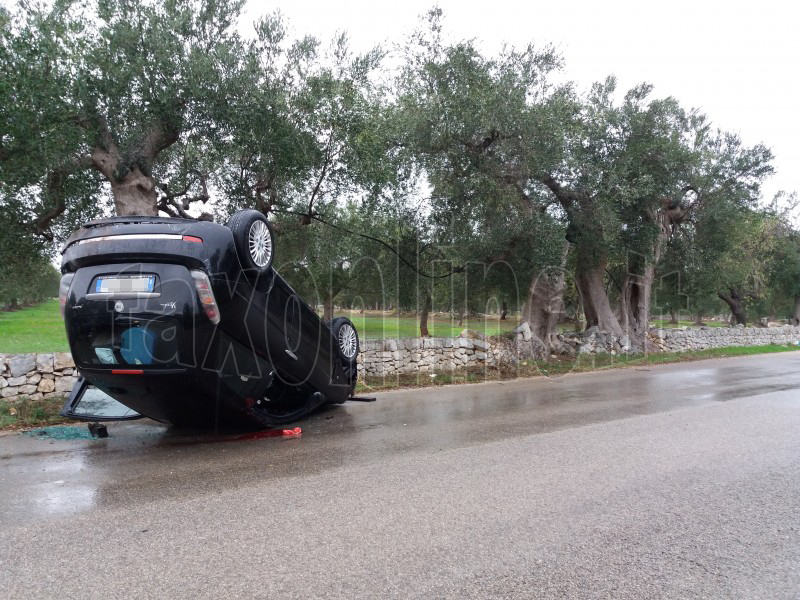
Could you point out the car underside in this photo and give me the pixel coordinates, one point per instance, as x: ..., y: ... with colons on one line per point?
x: 187, y: 322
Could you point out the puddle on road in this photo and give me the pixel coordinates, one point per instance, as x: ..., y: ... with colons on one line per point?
x: 175, y: 437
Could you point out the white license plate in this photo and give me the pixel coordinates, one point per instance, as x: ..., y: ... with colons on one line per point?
x: 117, y: 283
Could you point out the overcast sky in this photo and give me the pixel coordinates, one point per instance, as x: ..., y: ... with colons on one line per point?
x: 737, y: 61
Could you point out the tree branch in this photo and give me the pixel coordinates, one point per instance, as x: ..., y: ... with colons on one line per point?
x: 54, y: 192
x: 411, y: 266
x: 169, y: 201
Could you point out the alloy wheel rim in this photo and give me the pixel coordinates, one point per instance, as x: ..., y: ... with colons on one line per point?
x: 347, y: 340
x: 260, y: 242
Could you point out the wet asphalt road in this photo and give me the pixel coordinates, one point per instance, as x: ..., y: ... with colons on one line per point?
x: 678, y: 481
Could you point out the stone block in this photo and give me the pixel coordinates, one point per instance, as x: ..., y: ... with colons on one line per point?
x: 65, y: 384
x: 21, y: 364
x: 46, y: 385
x: 8, y: 392
x: 26, y: 390
x: 44, y: 363
x: 35, y: 378
x: 16, y: 381
x: 62, y: 360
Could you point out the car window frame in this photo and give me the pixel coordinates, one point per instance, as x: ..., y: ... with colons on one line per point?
x: 75, y: 398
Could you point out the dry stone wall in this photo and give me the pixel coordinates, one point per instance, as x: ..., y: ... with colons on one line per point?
x: 36, y: 376
x: 423, y: 355
x: 50, y: 375
x: 702, y: 338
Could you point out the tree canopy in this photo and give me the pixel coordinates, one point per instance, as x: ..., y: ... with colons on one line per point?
x: 440, y: 179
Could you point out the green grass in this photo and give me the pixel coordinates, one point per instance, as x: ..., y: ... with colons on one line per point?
x: 31, y: 413
x: 377, y: 326
x: 40, y: 328
x: 666, y: 323
x: 35, y: 329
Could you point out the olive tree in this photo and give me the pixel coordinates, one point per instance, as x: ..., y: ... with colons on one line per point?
x: 115, y: 95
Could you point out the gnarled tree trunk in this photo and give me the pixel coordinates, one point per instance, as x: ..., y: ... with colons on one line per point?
x: 423, y: 317
x: 134, y: 194
x: 735, y: 302
x: 585, y: 231
x: 636, y: 296
x: 327, y: 306
x: 795, y: 320
x: 545, y: 305
x: 637, y: 289
x: 590, y: 273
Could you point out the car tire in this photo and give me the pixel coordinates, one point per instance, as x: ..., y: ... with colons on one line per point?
x: 254, y: 240
x: 346, y: 339
x: 346, y: 336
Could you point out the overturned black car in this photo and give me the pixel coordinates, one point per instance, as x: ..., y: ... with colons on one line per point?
x: 186, y: 322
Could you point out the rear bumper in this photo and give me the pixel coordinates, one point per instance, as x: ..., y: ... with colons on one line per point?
x: 182, y: 396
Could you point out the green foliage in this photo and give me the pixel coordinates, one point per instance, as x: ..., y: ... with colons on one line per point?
x: 479, y: 130
x: 455, y: 175
x: 93, y: 91
x: 26, y: 274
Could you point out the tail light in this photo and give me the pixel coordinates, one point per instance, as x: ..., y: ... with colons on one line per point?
x: 206, y: 294
x: 63, y: 291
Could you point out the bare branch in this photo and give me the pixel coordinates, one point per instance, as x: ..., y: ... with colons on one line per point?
x: 321, y: 178
x: 170, y: 202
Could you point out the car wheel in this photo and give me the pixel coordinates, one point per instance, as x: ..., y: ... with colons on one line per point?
x: 346, y: 336
x: 255, y: 243
x: 346, y: 339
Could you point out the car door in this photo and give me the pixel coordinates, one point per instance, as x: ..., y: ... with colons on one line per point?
x: 292, y: 327
x: 311, y: 359
x: 88, y: 403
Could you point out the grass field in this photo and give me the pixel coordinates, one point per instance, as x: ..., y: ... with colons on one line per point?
x: 40, y: 329
x: 35, y: 329
x: 666, y: 323
x: 377, y: 326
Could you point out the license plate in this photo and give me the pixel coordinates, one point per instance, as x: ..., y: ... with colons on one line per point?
x: 111, y: 284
